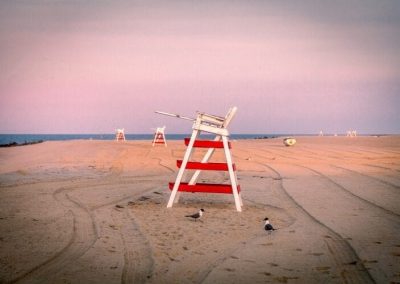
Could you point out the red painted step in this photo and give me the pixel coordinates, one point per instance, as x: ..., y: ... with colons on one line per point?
x: 204, y: 187
x: 205, y: 166
x: 207, y: 143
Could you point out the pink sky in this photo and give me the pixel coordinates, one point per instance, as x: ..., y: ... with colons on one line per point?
x: 292, y: 67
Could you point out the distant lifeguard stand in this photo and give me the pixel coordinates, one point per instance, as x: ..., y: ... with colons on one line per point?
x: 120, y: 134
x: 215, y: 125
x: 159, y: 136
x: 351, y: 133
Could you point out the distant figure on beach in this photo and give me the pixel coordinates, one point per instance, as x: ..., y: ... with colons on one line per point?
x: 196, y: 215
x: 268, y: 226
x: 321, y: 133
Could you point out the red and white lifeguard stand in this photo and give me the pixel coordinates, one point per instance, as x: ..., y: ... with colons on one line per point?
x: 159, y: 136
x: 120, y: 134
x: 215, y: 125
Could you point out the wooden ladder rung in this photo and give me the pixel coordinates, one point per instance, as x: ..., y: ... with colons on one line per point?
x: 205, y: 166
x: 204, y: 187
x: 207, y: 143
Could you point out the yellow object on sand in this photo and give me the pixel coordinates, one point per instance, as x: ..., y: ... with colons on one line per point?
x: 289, y: 141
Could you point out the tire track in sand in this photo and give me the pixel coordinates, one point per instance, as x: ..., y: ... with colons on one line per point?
x: 345, y: 257
x: 137, y: 254
x: 138, y: 261
x: 369, y: 177
x: 378, y: 225
x: 83, y: 237
x: 85, y: 233
x: 347, y: 191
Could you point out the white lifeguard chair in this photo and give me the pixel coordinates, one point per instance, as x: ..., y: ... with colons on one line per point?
x: 351, y: 133
x: 215, y: 125
x: 120, y: 134
x: 159, y: 136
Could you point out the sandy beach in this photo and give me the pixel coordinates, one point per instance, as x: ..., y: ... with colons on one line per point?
x: 95, y: 212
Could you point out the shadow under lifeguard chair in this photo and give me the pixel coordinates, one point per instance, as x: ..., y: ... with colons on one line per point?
x: 215, y: 125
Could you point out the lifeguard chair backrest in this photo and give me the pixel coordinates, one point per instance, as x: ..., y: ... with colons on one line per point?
x: 229, y: 116
x: 217, y: 121
x: 160, y: 130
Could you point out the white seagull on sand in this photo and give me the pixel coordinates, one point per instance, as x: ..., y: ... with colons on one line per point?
x: 268, y: 226
x: 196, y: 215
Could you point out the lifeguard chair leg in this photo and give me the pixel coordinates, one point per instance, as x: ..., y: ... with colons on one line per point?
x: 182, y: 168
x: 232, y: 174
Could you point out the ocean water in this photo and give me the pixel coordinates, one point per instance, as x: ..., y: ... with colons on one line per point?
x: 27, y: 138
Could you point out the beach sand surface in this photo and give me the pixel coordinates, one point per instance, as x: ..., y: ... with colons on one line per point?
x: 90, y: 211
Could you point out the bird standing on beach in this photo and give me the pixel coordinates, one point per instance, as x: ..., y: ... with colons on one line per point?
x: 268, y: 226
x: 196, y: 215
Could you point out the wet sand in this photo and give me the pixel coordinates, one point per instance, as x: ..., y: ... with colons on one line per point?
x: 95, y: 212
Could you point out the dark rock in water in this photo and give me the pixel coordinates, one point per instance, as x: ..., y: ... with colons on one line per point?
x: 265, y: 137
x: 13, y: 144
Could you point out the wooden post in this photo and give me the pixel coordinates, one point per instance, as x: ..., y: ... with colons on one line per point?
x: 232, y: 175
x: 178, y: 180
